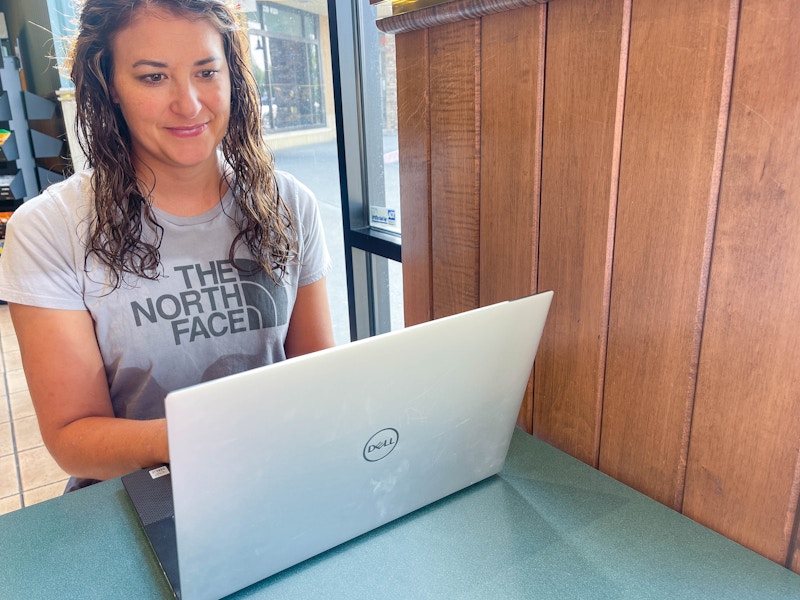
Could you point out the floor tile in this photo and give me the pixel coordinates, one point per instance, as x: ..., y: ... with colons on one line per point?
x: 9, y: 485
x: 9, y: 342
x: 6, y: 439
x: 37, y: 468
x: 6, y: 326
x: 5, y: 410
x: 46, y: 492
x: 21, y: 405
x: 16, y: 381
x: 12, y: 360
x: 27, y: 434
x: 10, y: 504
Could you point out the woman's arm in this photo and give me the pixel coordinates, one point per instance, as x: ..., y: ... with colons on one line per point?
x: 310, y: 326
x: 68, y: 386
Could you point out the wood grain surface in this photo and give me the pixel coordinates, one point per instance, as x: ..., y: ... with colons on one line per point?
x: 455, y: 157
x: 743, y: 475
x: 641, y: 159
x: 586, y: 49
x: 674, y: 96
x: 414, y: 145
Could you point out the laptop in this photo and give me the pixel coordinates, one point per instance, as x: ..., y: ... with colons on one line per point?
x: 272, y: 466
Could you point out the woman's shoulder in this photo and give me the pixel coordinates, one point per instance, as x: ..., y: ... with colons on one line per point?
x: 291, y: 186
x: 67, y: 199
x: 297, y: 196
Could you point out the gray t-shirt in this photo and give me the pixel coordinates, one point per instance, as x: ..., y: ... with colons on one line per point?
x: 201, y: 320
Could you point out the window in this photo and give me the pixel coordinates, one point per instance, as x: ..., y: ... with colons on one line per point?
x: 286, y: 61
x: 367, y: 123
x: 333, y: 106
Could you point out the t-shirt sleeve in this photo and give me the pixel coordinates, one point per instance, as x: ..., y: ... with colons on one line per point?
x: 315, y: 260
x: 38, y: 266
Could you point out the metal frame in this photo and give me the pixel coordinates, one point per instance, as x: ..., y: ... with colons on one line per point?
x: 360, y: 177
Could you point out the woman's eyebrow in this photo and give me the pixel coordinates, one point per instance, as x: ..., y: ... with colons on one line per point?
x: 206, y: 61
x: 149, y: 63
x: 162, y: 65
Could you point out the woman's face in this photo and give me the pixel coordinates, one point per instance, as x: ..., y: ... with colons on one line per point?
x: 172, y: 84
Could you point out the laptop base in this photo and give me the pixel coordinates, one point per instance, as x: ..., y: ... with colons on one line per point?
x: 150, y: 491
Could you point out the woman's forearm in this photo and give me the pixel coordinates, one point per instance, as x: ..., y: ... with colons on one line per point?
x: 107, y: 447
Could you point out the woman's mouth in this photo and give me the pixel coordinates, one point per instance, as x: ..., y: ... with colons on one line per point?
x: 187, y: 131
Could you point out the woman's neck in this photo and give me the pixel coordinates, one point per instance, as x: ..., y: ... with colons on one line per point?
x: 185, y: 192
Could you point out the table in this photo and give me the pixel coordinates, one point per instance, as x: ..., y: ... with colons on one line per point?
x: 547, y: 527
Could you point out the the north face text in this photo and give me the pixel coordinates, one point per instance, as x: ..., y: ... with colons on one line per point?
x: 217, y: 300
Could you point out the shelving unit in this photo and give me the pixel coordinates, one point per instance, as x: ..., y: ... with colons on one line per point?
x: 21, y: 177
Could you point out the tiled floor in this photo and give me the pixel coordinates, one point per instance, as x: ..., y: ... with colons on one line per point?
x: 28, y: 474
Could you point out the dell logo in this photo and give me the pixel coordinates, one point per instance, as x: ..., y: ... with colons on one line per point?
x: 381, y: 444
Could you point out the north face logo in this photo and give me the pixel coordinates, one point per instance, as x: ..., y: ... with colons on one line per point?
x: 217, y: 300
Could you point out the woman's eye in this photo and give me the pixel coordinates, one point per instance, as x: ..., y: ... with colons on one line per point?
x: 208, y: 74
x: 153, y: 78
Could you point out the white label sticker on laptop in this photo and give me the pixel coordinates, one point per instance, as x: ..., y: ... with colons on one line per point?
x: 159, y: 472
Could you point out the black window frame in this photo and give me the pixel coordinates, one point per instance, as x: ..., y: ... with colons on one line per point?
x: 360, y: 170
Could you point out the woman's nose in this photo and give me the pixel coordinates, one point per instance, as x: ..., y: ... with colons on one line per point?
x: 186, y: 100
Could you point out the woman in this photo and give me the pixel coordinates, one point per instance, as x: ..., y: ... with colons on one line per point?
x: 179, y: 257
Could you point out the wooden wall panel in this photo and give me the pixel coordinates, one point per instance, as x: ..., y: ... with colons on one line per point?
x: 584, y: 78
x: 511, y: 93
x: 743, y: 475
x: 455, y: 156
x: 414, y: 144
x: 510, y: 152
x: 669, y: 228
x: 672, y: 113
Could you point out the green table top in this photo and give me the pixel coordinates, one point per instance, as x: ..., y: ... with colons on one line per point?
x: 547, y: 527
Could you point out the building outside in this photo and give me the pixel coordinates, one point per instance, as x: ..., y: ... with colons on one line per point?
x: 291, y: 61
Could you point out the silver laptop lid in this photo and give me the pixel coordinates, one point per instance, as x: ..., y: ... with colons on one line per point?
x: 274, y: 465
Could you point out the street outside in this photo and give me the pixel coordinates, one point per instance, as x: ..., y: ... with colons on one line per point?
x: 317, y: 166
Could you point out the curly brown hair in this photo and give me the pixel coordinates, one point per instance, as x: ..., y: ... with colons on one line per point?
x: 122, y: 209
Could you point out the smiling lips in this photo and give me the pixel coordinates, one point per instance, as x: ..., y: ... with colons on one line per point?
x: 188, y: 130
